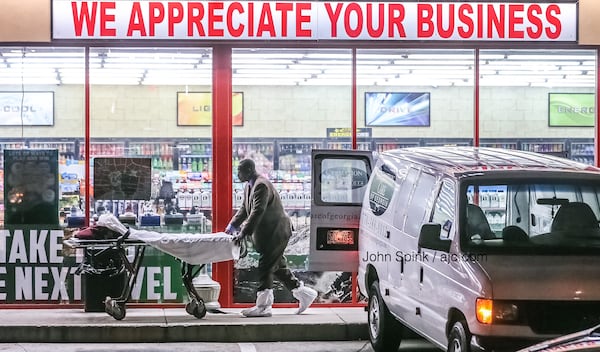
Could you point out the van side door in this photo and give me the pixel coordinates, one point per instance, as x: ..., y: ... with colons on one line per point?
x: 339, y: 182
x: 440, y: 278
x: 413, y: 209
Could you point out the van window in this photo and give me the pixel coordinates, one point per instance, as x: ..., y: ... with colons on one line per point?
x: 404, y: 191
x: 443, y: 209
x: 419, y: 204
x: 554, y: 216
x: 381, y: 191
x: 342, y: 180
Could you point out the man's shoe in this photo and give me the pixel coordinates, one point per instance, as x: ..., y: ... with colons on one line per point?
x: 256, y: 311
x: 304, y: 295
x: 264, y: 303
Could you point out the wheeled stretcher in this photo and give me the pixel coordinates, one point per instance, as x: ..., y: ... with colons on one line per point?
x: 193, y: 250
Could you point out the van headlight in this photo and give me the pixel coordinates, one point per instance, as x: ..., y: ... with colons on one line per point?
x: 489, y: 311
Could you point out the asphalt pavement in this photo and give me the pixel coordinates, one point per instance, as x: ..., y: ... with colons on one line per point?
x: 304, y: 346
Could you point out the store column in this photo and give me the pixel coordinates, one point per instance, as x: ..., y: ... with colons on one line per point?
x: 222, y: 164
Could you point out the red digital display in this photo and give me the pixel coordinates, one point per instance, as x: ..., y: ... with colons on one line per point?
x: 344, y: 237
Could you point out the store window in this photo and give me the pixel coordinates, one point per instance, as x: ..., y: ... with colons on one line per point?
x: 151, y: 138
x: 294, y: 100
x: 41, y: 118
x: 413, y: 97
x: 159, y: 100
x: 41, y: 94
x: 343, y: 181
x: 539, y: 100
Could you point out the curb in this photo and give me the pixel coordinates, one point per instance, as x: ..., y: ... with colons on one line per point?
x: 184, y: 333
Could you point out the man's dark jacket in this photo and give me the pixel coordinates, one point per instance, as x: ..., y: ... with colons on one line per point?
x: 267, y: 222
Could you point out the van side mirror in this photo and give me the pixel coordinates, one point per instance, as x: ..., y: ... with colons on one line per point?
x: 429, y: 238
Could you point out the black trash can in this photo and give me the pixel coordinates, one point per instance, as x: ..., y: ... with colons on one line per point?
x: 106, y: 279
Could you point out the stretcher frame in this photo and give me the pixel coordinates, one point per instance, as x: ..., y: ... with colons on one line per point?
x: 116, y: 307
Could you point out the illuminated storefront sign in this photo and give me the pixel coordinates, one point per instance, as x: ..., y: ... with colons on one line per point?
x: 274, y: 20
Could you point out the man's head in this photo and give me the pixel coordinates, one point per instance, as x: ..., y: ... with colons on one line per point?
x: 246, y: 170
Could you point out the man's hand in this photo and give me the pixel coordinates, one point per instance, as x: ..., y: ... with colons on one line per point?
x: 230, y: 229
x: 238, y: 239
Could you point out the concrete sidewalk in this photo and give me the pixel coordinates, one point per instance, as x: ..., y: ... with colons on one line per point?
x: 175, y: 325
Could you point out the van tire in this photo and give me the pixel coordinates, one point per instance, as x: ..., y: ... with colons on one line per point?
x: 385, y: 332
x: 459, y: 339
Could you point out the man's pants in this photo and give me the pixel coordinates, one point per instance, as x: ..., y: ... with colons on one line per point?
x: 272, y: 264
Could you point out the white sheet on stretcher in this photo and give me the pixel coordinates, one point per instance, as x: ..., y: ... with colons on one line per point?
x: 194, y: 249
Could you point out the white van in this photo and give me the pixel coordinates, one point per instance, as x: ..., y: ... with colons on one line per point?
x: 471, y: 248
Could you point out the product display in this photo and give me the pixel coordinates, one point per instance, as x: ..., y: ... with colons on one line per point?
x: 582, y: 152
x: 188, y: 166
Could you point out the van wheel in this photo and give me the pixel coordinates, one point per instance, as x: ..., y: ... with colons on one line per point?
x: 460, y: 338
x: 385, y: 332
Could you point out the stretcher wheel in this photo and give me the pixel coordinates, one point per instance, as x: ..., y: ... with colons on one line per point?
x: 114, y: 308
x: 195, y: 308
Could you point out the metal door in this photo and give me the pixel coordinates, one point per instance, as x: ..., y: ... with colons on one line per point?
x: 339, y: 181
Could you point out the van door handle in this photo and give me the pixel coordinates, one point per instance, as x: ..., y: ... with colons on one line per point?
x: 387, y: 234
x: 401, y: 265
x: 421, y: 276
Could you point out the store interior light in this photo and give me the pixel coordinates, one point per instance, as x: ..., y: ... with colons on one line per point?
x: 148, y: 66
x: 300, y: 66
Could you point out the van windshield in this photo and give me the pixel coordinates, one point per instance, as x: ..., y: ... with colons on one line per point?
x: 542, y: 217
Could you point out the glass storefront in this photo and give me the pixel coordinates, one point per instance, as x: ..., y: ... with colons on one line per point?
x: 155, y: 104
x: 292, y: 99
x: 539, y: 100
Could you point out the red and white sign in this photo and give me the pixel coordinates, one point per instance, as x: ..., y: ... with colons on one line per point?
x: 311, y: 20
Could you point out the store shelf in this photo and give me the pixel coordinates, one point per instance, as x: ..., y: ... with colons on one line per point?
x: 348, y: 145
x: 160, y: 152
x: 388, y: 145
x: 582, y: 152
x: 286, y: 161
x: 294, y: 159
x: 453, y: 142
x: 261, y: 152
x: 552, y: 148
x: 8, y: 145
x: 500, y: 145
x: 193, y: 157
x: 67, y: 150
x: 100, y: 149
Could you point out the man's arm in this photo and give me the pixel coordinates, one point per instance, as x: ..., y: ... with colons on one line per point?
x: 239, y: 217
x: 260, y: 200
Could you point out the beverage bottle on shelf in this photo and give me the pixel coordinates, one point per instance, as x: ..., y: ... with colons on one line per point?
x: 180, y: 197
x: 188, y: 198
x: 196, y: 198
x: 206, y: 199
